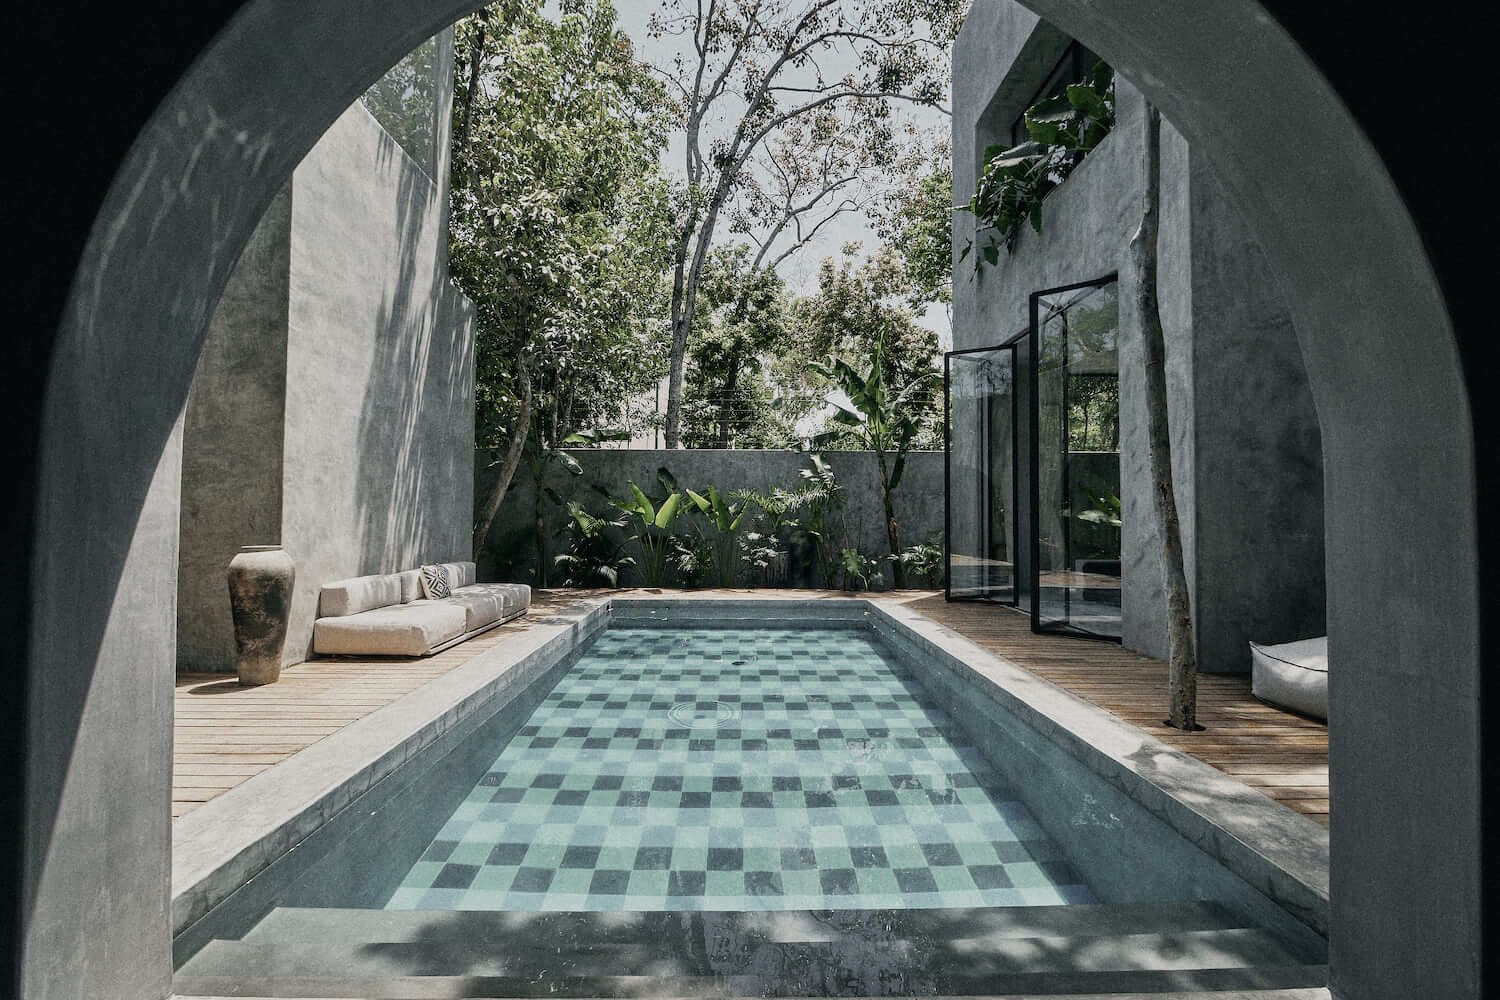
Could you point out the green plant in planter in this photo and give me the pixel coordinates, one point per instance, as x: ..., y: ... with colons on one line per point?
x: 653, y: 524
x: 925, y: 562
x: 723, y: 517
x: 1014, y: 181
x: 862, y: 568
x: 825, y: 502
x: 1106, y: 510
x: 767, y: 549
x: 593, y: 558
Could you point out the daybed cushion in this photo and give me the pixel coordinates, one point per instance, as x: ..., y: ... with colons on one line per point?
x: 362, y: 593
x: 403, y: 630
x: 485, y: 602
x: 460, y: 574
x: 1292, y: 675
x: 411, y: 585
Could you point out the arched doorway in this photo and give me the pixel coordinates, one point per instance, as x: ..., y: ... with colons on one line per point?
x: 1377, y: 340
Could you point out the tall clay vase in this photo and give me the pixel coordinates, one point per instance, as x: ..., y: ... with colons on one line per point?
x: 260, y: 598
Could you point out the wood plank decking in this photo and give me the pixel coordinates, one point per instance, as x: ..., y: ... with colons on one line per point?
x: 225, y: 734
x: 1282, y: 755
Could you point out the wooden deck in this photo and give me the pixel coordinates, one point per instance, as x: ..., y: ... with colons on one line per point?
x: 225, y: 734
x: 1282, y: 755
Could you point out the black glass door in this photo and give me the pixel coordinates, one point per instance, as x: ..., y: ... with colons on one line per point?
x: 1075, y: 460
x: 980, y: 408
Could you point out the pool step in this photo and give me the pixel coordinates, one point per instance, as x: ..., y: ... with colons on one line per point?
x: 1080, y: 949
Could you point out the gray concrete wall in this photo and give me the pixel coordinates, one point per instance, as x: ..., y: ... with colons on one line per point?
x: 1245, y: 439
x: 232, y: 440
x: 1258, y: 471
x: 918, y: 498
x: 332, y: 410
x: 380, y: 394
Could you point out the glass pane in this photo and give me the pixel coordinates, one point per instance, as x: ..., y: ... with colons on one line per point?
x: 1078, y: 461
x: 981, y: 475
x: 404, y: 101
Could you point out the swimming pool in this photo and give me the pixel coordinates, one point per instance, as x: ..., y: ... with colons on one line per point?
x: 738, y: 769
x: 720, y: 799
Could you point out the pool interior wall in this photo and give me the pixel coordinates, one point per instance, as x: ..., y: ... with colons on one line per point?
x: 1115, y: 851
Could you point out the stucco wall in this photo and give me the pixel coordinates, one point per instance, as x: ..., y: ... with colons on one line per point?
x: 333, y: 409
x: 232, y: 440
x: 918, y: 498
x: 380, y: 396
x: 1245, y: 438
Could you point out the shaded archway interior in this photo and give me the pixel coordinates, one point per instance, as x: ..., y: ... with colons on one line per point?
x: 218, y: 149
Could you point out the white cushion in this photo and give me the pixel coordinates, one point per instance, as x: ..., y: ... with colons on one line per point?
x: 460, y: 574
x: 361, y: 593
x: 1292, y: 675
x: 402, y: 630
x: 485, y: 602
x: 411, y: 585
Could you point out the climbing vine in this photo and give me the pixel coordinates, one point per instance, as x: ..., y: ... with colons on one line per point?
x: 1015, y: 180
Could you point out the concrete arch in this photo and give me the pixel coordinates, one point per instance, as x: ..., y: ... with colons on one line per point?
x: 1379, y: 346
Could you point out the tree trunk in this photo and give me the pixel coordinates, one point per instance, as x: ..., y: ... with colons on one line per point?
x: 892, y: 531
x: 497, y: 492
x: 541, y: 525
x: 1181, y: 654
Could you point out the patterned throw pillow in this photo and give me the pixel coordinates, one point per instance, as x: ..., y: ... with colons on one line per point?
x: 435, y: 583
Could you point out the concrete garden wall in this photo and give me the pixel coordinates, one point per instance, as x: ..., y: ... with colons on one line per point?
x: 918, y: 498
x: 1247, y: 457
x: 332, y: 410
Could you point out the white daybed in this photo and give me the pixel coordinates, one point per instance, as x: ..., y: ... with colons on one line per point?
x: 391, y: 614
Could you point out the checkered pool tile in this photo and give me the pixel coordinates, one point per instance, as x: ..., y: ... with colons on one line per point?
x: 729, y: 769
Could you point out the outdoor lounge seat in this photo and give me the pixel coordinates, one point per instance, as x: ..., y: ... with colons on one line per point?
x: 1292, y: 675
x: 387, y: 614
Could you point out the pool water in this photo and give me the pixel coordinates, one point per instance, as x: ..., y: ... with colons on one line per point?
x: 738, y: 769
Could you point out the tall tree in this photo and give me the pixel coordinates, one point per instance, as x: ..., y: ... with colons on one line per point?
x: 560, y: 222
x: 1181, y: 654
x: 915, y: 219
x: 757, y: 68
x: 859, y: 304
x: 729, y: 403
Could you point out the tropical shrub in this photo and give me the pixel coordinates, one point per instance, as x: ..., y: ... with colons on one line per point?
x: 1015, y: 180
x: 594, y: 558
x: 723, y: 518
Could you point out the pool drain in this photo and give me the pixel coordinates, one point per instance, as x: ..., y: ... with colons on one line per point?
x: 716, y: 715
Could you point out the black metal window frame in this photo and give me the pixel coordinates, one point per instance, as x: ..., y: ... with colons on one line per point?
x: 1069, y: 69
x: 1035, y: 332
x: 1015, y: 485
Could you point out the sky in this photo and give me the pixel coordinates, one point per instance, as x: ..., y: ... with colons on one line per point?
x: 799, y: 271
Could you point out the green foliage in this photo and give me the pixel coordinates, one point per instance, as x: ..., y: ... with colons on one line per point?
x: 857, y: 308
x: 653, y: 523
x: 825, y: 523
x: 1015, y: 180
x: 723, y: 518
x: 1106, y: 510
x: 864, y: 569
x: 742, y: 319
x: 925, y: 561
x: 917, y: 223
x: 879, y: 420
x: 560, y: 222
x: 593, y: 558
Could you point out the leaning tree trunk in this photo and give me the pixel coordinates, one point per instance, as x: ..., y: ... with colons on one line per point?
x: 892, y: 530
x: 497, y: 492
x: 1183, y: 660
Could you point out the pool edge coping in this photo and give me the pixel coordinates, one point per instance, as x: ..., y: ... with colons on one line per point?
x: 227, y: 841
x: 223, y: 844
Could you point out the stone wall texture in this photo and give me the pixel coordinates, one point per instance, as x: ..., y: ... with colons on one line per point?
x: 332, y: 410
